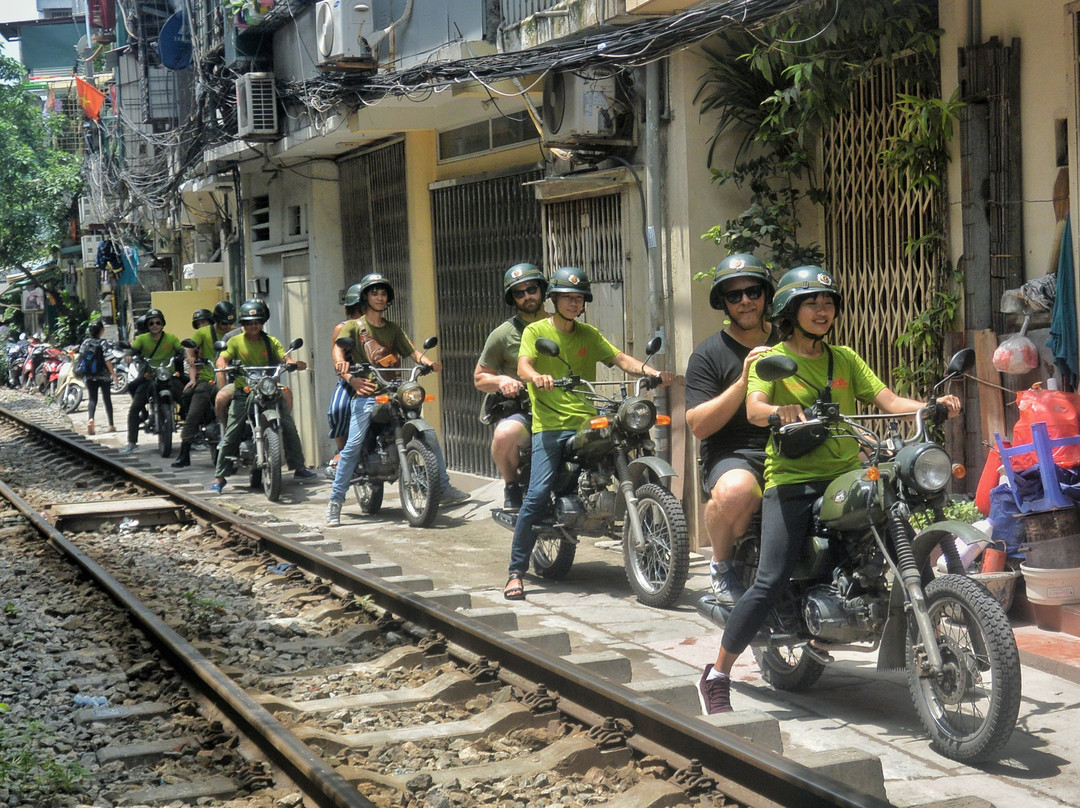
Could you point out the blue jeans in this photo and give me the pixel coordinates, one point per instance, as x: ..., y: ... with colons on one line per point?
x: 547, y: 454
x: 359, y: 424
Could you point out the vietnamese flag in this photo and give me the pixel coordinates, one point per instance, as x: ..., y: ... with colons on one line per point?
x: 90, y: 97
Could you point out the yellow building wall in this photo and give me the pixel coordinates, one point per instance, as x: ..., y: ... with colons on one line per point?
x: 179, y: 306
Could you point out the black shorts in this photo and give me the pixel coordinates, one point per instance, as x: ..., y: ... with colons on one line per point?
x: 752, y: 460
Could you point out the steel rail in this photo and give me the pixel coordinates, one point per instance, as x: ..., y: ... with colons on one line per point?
x: 777, y: 779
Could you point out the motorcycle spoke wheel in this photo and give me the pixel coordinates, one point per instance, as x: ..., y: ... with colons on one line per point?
x: 369, y: 497
x: 71, y: 398
x: 788, y: 667
x: 970, y: 709
x: 166, y: 424
x: 271, y: 472
x: 553, y: 556
x: 657, y: 570
x: 420, y: 498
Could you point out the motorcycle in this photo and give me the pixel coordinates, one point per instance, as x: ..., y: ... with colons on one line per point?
x: 70, y: 389
x: 34, y: 356
x: 865, y: 583
x: 115, y: 353
x: 161, y: 406
x: 16, y: 358
x: 262, y: 449
x: 47, y: 373
x: 610, y: 484
x: 398, y: 443
x: 209, y: 432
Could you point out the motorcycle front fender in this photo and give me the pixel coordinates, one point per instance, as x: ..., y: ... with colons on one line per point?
x: 418, y: 428
x: 268, y: 418
x: 650, y: 466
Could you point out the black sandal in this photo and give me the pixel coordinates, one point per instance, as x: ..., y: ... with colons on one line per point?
x: 515, y: 588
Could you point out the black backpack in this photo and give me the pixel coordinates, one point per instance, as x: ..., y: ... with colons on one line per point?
x: 90, y: 363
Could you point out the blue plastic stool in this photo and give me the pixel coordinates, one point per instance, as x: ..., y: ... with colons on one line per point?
x: 1043, y: 446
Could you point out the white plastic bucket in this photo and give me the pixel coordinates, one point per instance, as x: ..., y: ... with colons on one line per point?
x: 1052, y: 587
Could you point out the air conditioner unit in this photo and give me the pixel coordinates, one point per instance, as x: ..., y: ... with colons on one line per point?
x: 340, y: 27
x: 256, y: 107
x: 579, y: 107
x: 89, y: 250
x: 88, y: 212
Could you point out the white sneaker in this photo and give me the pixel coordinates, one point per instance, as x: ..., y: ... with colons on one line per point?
x: 333, y: 514
x: 453, y: 495
x: 129, y: 449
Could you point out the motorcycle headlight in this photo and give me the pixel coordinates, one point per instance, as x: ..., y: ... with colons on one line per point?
x: 925, y: 467
x: 636, y: 415
x: 411, y: 396
x: 162, y: 374
x: 267, y: 386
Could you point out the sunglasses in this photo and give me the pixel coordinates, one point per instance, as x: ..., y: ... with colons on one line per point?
x: 528, y: 290
x: 155, y: 322
x: 736, y: 295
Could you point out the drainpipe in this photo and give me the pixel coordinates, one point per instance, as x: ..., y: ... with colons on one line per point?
x: 376, y: 38
x: 653, y: 219
x: 974, y: 22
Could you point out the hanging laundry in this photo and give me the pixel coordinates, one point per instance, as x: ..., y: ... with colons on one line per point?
x: 1062, y: 341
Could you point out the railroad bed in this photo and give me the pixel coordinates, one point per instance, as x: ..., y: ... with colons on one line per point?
x: 280, y: 665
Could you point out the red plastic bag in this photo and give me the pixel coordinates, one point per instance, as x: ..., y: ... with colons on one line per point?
x: 1060, y: 412
x: 991, y: 474
x: 1016, y: 355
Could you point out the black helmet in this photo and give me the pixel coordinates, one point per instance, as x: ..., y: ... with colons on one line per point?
x: 201, y: 314
x: 800, y: 282
x: 572, y: 281
x: 353, y: 293
x: 375, y: 279
x: 225, y: 313
x: 140, y: 325
x: 520, y: 273
x: 254, y: 310
x: 152, y: 314
x: 739, y: 265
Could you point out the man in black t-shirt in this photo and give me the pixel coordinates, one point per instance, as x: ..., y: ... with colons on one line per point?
x: 732, y: 456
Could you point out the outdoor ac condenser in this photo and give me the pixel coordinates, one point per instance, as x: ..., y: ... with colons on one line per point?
x: 579, y: 107
x: 340, y: 28
x: 256, y: 107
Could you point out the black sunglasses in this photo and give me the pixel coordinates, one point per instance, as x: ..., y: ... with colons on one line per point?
x: 528, y: 290
x: 736, y: 295
x: 155, y: 322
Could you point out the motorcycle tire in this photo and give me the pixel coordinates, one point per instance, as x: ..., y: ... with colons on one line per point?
x: 420, y: 498
x: 71, y: 398
x: 788, y: 667
x: 120, y: 386
x: 657, y: 571
x: 970, y: 710
x: 271, y: 471
x: 41, y: 380
x: 553, y: 556
x: 166, y: 424
x: 369, y: 497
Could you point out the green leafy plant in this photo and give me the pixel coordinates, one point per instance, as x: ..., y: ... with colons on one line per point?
x: 28, y: 768
x: 960, y: 510
x: 201, y: 613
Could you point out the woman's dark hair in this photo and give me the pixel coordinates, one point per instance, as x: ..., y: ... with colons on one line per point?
x: 96, y: 328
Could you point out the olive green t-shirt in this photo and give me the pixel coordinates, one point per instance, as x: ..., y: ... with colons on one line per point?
x: 502, y: 346
x: 389, y: 335
x: 204, y: 339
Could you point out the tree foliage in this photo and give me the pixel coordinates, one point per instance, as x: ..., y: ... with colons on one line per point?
x: 37, y: 182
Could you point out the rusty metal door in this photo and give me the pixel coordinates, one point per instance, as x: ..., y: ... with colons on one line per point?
x: 482, y: 227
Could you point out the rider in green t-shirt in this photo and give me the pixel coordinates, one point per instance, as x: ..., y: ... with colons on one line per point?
x: 200, y: 389
x: 557, y: 414
x: 159, y: 347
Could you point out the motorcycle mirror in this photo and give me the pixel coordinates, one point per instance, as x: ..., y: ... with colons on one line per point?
x: 654, y: 346
x: 188, y: 343
x: 296, y: 343
x: 961, y: 362
x: 430, y: 343
x: 219, y: 345
x: 775, y: 368
x: 547, y: 347
x: 345, y: 343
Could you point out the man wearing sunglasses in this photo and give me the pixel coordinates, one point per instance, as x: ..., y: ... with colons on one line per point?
x: 506, y: 403
x: 732, y: 456
x: 159, y: 347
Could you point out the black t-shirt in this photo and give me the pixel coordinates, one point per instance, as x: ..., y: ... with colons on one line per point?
x: 714, y: 366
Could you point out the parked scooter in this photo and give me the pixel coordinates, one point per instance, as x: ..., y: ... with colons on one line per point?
x: 610, y: 484
x: 865, y: 583
x: 161, y: 406
x: 262, y: 448
x: 399, y: 443
x: 35, y: 355
x: 16, y: 358
x: 47, y: 373
x: 115, y: 353
x: 70, y: 389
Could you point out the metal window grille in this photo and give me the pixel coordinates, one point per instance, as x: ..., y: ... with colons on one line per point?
x: 871, y: 217
x: 482, y: 228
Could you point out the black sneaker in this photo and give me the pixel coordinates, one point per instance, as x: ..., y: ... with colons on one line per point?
x: 727, y: 587
x: 715, y: 692
x: 512, y: 497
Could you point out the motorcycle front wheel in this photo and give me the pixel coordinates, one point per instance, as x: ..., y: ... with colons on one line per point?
x: 120, y: 386
x: 970, y: 709
x: 71, y: 398
x: 657, y: 570
x: 368, y: 497
x: 271, y: 470
x: 166, y: 423
x: 420, y: 498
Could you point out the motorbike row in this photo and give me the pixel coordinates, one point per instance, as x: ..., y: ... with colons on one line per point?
x: 865, y: 583
x: 36, y: 366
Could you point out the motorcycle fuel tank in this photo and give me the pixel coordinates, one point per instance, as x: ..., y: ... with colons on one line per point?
x: 844, y: 504
x: 591, y: 444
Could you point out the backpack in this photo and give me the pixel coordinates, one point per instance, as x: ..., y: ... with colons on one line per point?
x: 92, y: 363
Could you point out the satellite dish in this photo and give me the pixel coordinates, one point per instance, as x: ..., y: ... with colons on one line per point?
x: 174, y: 42
x: 324, y: 29
x: 554, y: 102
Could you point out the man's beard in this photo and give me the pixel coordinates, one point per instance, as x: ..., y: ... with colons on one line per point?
x: 530, y: 306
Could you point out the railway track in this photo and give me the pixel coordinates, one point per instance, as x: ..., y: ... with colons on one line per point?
x: 341, y: 685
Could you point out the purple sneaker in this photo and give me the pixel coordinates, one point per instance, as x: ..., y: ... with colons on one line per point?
x: 715, y: 692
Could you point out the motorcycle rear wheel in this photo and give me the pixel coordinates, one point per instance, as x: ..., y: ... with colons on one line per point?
x: 271, y: 471
x: 553, y: 556
x: 657, y: 572
x: 369, y: 497
x: 71, y: 398
x: 788, y: 667
x: 166, y: 424
x: 420, y: 498
x: 970, y: 710
x: 120, y: 386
